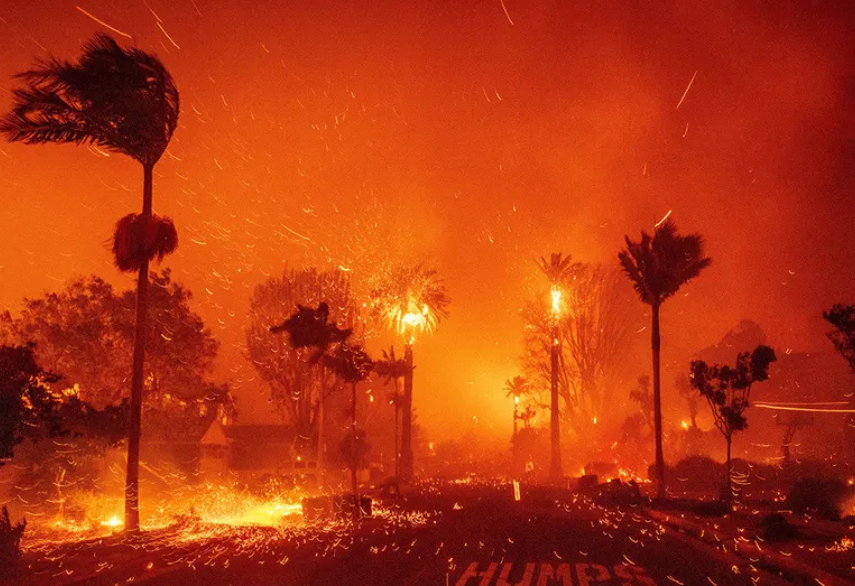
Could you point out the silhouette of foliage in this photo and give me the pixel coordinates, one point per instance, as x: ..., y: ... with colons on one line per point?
x: 289, y: 371
x: 659, y: 265
x: 727, y: 390
x: 122, y: 100
x: 85, y: 333
x: 350, y: 363
x: 10, y: 546
x: 140, y: 237
x: 842, y: 317
x: 28, y: 408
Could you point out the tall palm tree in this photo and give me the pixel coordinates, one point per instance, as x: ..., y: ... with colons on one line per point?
x: 311, y: 328
x: 352, y: 365
x: 658, y: 266
x: 125, y: 101
x: 394, y: 369
x: 411, y: 300
x: 516, y: 387
x: 559, y: 270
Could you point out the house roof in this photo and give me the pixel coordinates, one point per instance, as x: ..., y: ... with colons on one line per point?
x: 219, y: 434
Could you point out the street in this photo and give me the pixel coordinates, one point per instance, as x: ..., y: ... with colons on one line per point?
x: 449, y: 534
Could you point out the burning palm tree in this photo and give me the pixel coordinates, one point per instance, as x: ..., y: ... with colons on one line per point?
x: 559, y: 270
x: 412, y: 300
x: 516, y: 388
x: 125, y: 101
x: 658, y: 266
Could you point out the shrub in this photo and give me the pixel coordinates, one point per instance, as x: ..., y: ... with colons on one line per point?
x: 820, y: 496
x: 10, y: 544
x: 775, y: 527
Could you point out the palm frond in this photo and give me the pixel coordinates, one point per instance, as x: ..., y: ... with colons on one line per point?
x: 659, y: 265
x: 123, y: 100
x: 138, y: 238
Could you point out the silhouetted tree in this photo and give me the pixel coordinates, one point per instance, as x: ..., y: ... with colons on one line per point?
x: 85, y: 334
x: 658, y: 266
x: 688, y: 394
x: 641, y: 395
x: 410, y: 300
x: 123, y: 100
x: 842, y: 317
x: 792, y: 423
x: 516, y: 388
x: 310, y: 328
x: 728, y: 390
x: 293, y: 374
x: 28, y: 408
x: 352, y: 365
x: 393, y: 369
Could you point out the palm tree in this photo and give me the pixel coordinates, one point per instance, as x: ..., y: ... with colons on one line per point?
x: 392, y: 368
x: 125, y: 101
x: 412, y: 299
x: 310, y: 328
x: 352, y: 365
x: 516, y: 388
x: 559, y: 270
x: 658, y: 266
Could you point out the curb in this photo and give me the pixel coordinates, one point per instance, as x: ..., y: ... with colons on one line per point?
x: 785, y: 565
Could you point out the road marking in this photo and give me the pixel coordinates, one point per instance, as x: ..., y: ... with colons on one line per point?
x: 549, y: 574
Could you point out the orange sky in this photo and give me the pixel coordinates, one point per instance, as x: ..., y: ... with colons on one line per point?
x: 438, y: 130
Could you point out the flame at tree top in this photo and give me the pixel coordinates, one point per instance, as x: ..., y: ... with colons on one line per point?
x: 556, y: 300
x: 411, y: 300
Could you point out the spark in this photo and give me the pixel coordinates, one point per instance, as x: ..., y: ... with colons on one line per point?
x: 688, y: 87
x: 102, y: 23
x: 166, y: 34
x: 506, y: 12
x: 659, y: 223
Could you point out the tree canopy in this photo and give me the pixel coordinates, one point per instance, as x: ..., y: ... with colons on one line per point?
x: 85, y: 334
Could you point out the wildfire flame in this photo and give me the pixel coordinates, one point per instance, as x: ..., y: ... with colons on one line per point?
x: 555, y: 292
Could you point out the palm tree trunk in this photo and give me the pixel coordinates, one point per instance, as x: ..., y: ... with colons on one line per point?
x: 657, y: 405
x: 397, y: 449
x: 320, y: 463
x: 132, y: 504
x: 555, y: 463
x: 514, y: 437
x: 355, y: 460
x: 728, y: 497
x: 407, y: 419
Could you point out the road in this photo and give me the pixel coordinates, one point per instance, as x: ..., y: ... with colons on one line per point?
x: 471, y: 535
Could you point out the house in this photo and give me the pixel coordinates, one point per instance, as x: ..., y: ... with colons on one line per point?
x: 250, y: 453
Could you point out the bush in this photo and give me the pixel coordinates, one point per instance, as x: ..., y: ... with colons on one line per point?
x: 10, y: 544
x: 775, y: 527
x: 716, y: 508
x: 820, y: 496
